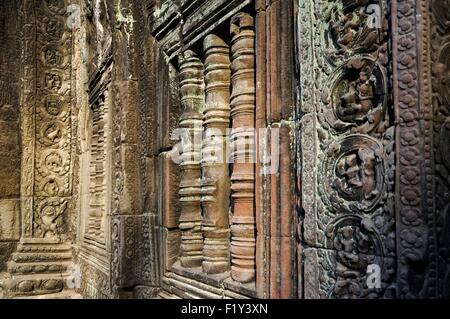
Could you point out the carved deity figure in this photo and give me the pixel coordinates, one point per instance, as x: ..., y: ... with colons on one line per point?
x: 355, y: 28
x: 48, y: 217
x: 351, y: 245
x: 53, y: 57
x: 357, y: 100
x: 356, y: 175
x: 368, y: 172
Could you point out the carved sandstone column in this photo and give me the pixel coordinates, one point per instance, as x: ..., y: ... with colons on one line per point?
x: 243, y: 240
x: 216, y: 181
x: 192, y: 102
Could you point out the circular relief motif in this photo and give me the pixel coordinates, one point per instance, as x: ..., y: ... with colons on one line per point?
x: 353, y: 174
x: 52, y: 133
x: 441, y: 12
x: 54, y: 56
x: 357, y: 243
x: 53, y: 81
x: 54, y: 105
x: 444, y: 141
x: 354, y: 235
x: 352, y: 28
x: 54, y: 161
x: 51, y: 186
x: 56, y: 6
x: 354, y: 97
x: 53, y: 28
x: 443, y: 73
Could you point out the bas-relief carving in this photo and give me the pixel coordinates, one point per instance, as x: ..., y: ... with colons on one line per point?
x: 440, y: 59
x: 347, y: 140
x: 47, y: 152
x: 53, y: 122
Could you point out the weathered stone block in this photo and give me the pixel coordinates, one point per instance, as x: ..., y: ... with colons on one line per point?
x: 6, y: 250
x: 169, y: 177
x: 171, y: 246
x: 128, y: 93
x: 132, y: 199
x: 9, y: 219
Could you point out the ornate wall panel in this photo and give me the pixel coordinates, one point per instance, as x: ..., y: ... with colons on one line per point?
x: 440, y: 59
x: 43, y: 257
x: 347, y: 148
x: 52, y: 176
x: 10, y: 146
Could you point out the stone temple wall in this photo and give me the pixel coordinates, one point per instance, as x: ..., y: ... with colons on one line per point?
x: 10, y: 148
x: 224, y: 148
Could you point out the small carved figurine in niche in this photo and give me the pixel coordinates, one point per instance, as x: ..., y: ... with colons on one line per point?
x: 54, y: 28
x: 353, y: 247
x: 53, y: 133
x: 355, y: 96
x: 51, y: 187
x: 53, y: 57
x: 345, y: 31
x: 368, y: 173
x: 352, y: 28
x: 54, y: 162
x: 356, y: 175
x: 53, y: 81
x: 47, y: 224
x: 357, y: 100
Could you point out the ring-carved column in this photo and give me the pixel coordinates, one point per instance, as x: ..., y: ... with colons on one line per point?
x: 192, y: 102
x: 243, y: 240
x: 216, y: 181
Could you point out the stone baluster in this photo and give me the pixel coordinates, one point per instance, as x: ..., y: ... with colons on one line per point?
x: 243, y: 239
x: 192, y: 103
x: 216, y: 181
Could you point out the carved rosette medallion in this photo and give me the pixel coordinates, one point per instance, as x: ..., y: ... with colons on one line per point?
x: 353, y: 174
x: 356, y: 99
